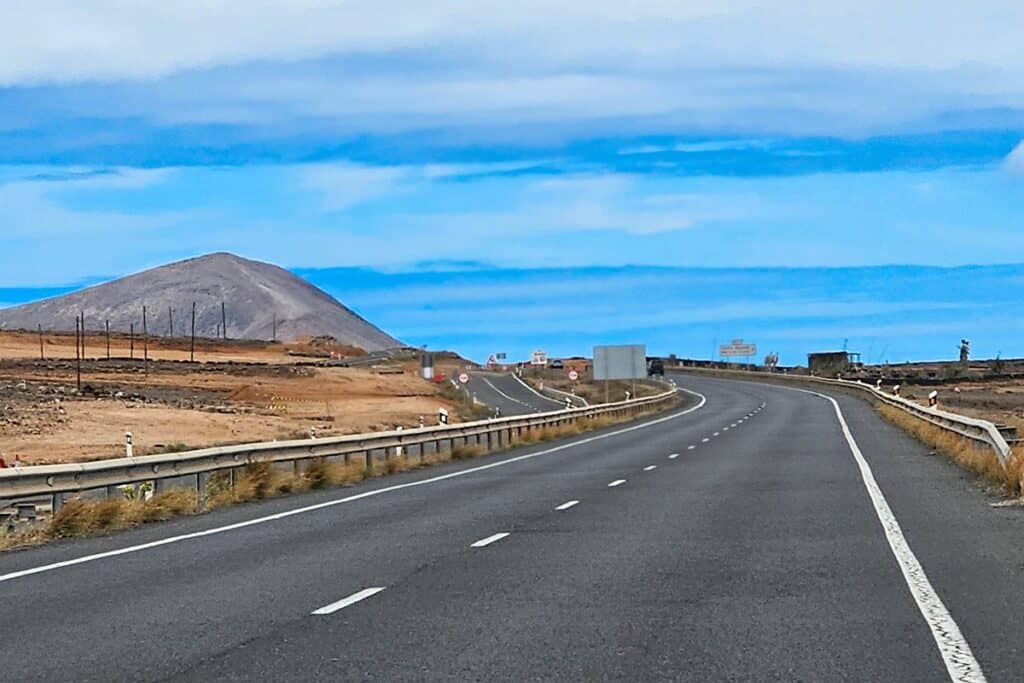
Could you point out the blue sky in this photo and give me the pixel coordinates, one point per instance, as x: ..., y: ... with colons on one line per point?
x: 523, y: 136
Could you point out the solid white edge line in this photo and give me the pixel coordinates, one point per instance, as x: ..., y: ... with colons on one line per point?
x: 650, y: 467
x: 347, y: 499
x: 567, y: 505
x: 955, y: 651
x: 617, y: 482
x: 484, y: 542
x: 350, y: 600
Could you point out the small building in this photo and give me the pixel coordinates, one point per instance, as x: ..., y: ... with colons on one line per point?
x: 831, y: 363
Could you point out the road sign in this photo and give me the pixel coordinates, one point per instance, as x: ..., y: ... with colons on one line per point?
x: 464, y: 378
x: 627, y: 361
x: 737, y: 349
x: 501, y: 356
x: 573, y: 375
x: 539, y: 357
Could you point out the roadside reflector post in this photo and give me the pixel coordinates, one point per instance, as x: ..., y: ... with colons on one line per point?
x: 398, y: 449
x: 442, y: 416
x: 896, y: 390
x: 129, y: 449
x: 933, y: 399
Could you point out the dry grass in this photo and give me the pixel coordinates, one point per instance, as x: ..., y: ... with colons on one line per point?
x: 980, y: 461
x: 467, y: 452
x: 79, y: 517
x: 252, y: 482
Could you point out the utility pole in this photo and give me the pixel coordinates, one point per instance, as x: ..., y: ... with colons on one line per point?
x: 78, y: 354
x: 224, y: 320
x: 170, y: 322
x: 82, y: 316
x: 108, y: 338
x: 131, y: 341
x: 145, y: 343
x: 274, y: 338
x: 42, y: 356
x: 192, y: 348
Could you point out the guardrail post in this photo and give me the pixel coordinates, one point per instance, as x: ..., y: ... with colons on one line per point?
x: 368, y: 462
x: 56, y: 501
x: 201, y: 479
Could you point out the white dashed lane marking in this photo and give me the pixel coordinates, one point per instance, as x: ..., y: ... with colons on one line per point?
x: 617, y: 482
x: 650, y: 467
x: 484, y: 542
x: 566, y: 506
x: 350, y: 600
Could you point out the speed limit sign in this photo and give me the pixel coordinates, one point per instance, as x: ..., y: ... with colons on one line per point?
x: 464, y: 378
x: 573, y: 375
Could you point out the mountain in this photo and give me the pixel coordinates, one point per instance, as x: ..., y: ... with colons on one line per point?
x: 253, y: 293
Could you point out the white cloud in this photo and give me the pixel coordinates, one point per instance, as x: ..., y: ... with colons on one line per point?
x: 1014, y: 161
x: 343, y: 185
x: 65, y: 40
x: 845, y: 66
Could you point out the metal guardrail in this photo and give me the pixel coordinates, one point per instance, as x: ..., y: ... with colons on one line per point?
x: 55, y: 481
x: 979, y: 431
x: 558, y: 394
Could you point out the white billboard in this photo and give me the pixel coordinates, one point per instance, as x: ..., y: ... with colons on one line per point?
x: 626, y: 361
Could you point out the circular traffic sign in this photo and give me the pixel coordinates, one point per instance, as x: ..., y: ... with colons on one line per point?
x: 573, y: 375
x: 464, y: 378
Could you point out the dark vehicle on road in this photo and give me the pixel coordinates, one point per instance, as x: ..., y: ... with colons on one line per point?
x: 556, y: 364
x: 655, y: 366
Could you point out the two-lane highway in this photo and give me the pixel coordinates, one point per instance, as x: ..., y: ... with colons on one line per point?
x: 735, y: 539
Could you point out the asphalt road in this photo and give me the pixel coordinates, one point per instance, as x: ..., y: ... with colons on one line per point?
x: 692, y: 552
x: 512, y: 397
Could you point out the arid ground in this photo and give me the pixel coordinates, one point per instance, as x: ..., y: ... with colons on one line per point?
x: 234, y: 392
